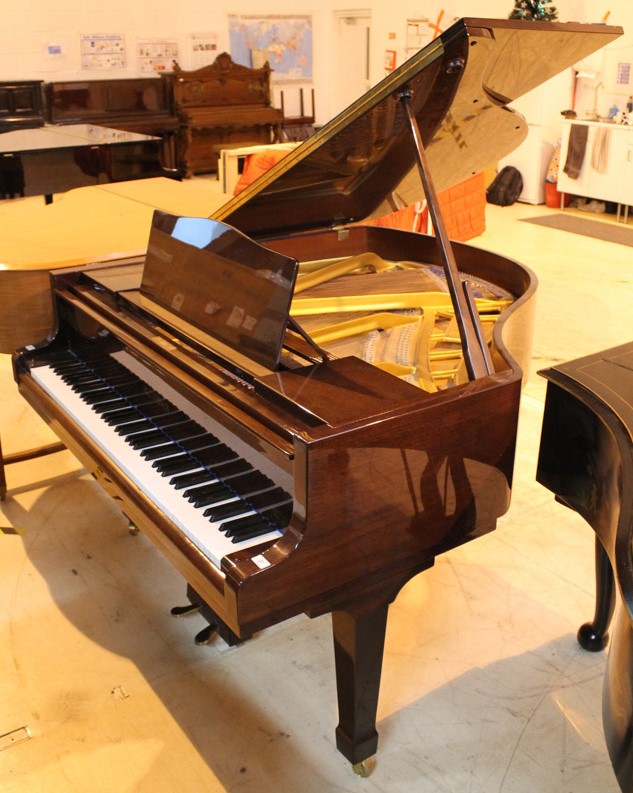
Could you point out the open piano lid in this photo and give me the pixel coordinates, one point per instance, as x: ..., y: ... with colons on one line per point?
x: 460, y: 85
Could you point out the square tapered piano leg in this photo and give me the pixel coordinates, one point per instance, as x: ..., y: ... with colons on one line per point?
x: 359, y: 641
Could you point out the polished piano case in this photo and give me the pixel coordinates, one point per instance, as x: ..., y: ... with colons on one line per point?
x: 371, y: 476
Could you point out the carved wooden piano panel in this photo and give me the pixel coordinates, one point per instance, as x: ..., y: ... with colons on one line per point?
x: 220, y: 106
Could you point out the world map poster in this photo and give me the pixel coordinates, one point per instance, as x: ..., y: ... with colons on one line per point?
x: 284, y: 41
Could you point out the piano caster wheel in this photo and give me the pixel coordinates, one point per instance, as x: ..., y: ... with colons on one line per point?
x: 132, y: 529
x: 589, y: 639
x: 184, y: 611
x: 204, y: 636
x: 365, y: 768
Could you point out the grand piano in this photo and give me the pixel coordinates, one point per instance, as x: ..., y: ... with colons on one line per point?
x: 300, y: 407
x: 586, y: 460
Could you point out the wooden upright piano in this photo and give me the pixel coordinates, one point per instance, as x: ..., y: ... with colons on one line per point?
x: 221, y: 106
x: 300, y: 408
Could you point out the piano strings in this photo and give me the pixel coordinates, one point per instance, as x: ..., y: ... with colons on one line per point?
x: 396, y: 315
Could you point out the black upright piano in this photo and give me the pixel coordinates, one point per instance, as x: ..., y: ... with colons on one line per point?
x: 303, y: 408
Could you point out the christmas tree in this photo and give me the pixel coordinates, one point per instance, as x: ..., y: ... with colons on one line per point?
x: 534, y: 10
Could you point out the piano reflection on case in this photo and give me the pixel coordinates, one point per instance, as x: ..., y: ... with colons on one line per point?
x: 243, y: 388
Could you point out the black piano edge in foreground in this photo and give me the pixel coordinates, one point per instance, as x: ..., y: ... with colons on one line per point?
x: 586, y: 460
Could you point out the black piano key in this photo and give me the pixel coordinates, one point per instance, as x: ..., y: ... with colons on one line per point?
x: 149, y: 408
x: 157, y: 408
x: 84, y: 378
x: 223, y: 470
x: 110, y: 404
x: 211, y: 456
x: 225, y: 511
x: 128, y: 428
x: 188, y: 429
x: 69, y: 367
x: 184, y: 481
x: 226, y: 487
x: 77, y: 382
x: 190, y: 445
x: 238, y: 528
x: 213, y: 494
x: 247, y: 482
x: 280, y: 514
x: 254, y: 525
x: 146, y: 439
x: 179, y: 464
x: 133, y: 427
x: 273, y: 500
x: 99, y: 395
x: 121, y: 416
x: 135, y: 389
x: 251, y: 482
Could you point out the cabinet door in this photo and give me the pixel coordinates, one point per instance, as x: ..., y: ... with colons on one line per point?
x: 615, y: 182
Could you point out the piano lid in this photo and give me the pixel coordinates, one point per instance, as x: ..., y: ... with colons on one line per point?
x: 460, y: 83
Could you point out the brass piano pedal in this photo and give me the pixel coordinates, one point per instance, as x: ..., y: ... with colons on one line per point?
x: 185, y: 611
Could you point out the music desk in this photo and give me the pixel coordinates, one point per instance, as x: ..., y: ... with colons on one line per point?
x: 54, y: 159
x: 87, y: 225
x: 586, y: 460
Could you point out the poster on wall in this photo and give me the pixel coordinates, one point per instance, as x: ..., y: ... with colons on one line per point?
x: 203, y: 49
x: 284, y: 41
x: 423, y: 30
x: 156, y: 55
x: 103, y: 51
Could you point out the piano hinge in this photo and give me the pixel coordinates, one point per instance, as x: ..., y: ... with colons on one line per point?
x: 342, y: 231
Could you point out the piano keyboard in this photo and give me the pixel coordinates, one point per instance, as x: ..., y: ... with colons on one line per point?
x: 215, y: 496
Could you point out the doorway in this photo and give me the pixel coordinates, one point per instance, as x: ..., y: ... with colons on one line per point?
x: 350, y: 78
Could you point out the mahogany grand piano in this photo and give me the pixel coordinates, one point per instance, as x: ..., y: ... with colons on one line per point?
x: 219, y: 390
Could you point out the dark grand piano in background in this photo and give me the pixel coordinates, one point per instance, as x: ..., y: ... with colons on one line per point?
x: 54, y: 159
x: 347, y: 479
x: 586, y: 460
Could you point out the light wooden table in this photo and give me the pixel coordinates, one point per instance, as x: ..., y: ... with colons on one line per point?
x: 101, y: 223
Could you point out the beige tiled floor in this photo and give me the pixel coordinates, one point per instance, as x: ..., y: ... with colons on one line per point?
x: 484, y: 687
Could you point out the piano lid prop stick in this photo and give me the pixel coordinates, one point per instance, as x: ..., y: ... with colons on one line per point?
x: 476, y: 353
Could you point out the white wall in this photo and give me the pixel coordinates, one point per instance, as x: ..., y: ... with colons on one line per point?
x: 28, y: 26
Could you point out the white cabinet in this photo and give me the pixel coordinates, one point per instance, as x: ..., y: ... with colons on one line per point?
x: 615, y: 182
x: 541, y: 108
